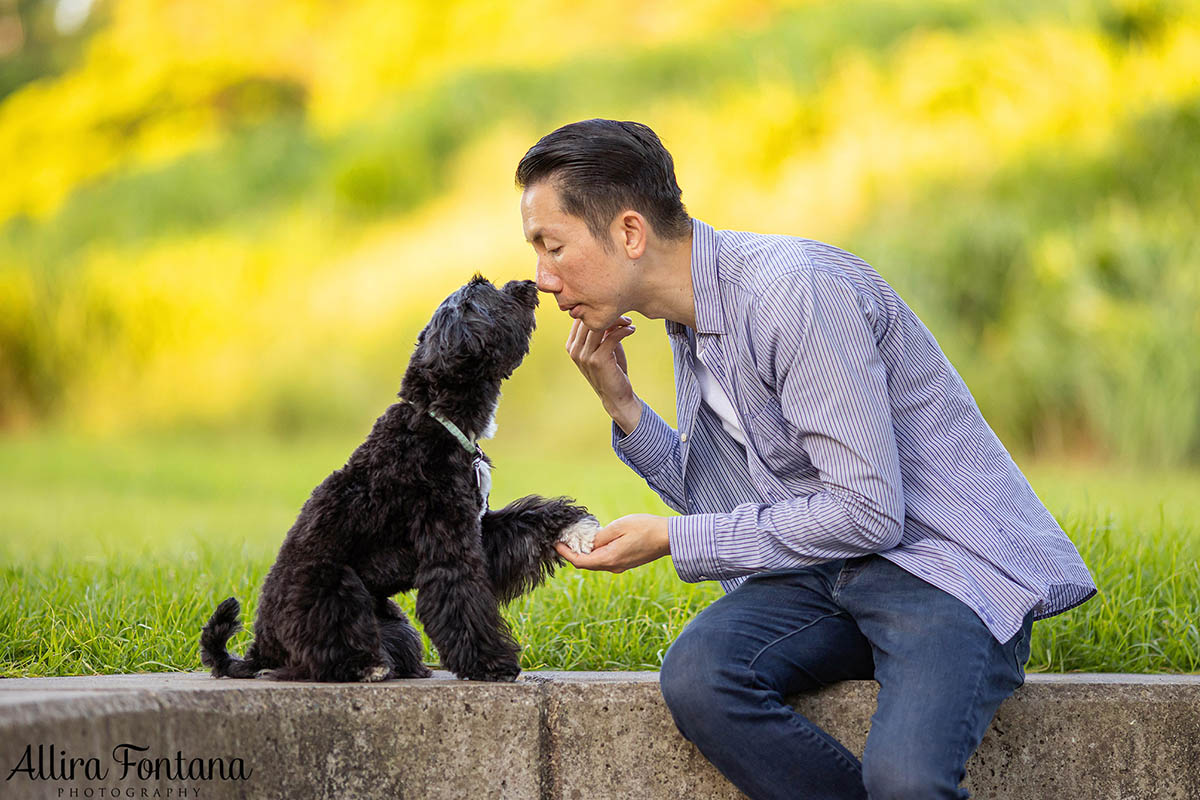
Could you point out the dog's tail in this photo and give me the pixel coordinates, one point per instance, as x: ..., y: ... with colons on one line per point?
x: 223, y: 624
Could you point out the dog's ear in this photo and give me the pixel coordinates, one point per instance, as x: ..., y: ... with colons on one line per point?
x: 454, y: 336
x: 461, y: 338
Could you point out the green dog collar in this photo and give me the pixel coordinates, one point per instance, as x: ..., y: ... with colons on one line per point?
x: 468, y: 445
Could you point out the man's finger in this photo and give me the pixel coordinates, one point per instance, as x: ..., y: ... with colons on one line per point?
x: 596, y: 340
x: 613, y: 337
x: 567, y: 553
x: 593, y: 560
x: 574, y: 332
x: 593, y: 339
x: 619, y: 354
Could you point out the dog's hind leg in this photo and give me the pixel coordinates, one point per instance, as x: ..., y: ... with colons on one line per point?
x: 334, y: 634
x: 401, y: 641
x: 519, y: 539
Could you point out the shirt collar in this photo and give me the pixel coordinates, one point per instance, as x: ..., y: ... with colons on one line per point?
x: 705, y: 291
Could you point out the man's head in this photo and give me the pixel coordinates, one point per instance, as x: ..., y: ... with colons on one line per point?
x: 597, y: 193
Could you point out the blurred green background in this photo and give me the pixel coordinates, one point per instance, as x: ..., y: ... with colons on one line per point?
x: 222, y: 225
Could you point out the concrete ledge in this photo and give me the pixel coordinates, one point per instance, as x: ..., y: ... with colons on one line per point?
x: 549, y: 735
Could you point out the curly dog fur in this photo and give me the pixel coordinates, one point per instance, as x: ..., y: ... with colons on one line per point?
x: 409, y: 511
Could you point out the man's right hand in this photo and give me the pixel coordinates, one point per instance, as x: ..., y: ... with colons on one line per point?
x: 601, y: 359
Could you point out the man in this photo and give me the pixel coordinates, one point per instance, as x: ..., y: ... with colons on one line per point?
x: 830, y: 468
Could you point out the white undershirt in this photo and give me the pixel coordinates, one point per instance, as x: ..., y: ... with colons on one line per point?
x: 718, y: 401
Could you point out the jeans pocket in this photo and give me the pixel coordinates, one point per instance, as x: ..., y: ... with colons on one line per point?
x: 1019, y: 648
x: 852, y: 567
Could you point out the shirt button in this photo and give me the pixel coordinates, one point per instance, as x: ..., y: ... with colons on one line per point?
x: 683, y: 438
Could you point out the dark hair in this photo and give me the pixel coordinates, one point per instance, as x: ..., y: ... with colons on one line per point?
x: 602, y: 166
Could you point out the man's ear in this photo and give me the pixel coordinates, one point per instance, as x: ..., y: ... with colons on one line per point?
x: 630, y: 229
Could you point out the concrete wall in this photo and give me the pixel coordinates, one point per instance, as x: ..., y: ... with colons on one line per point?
x: 549, y: 735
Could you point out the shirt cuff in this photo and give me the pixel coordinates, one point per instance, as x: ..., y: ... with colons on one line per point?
x: 649, y: 445
x: 692, y: 540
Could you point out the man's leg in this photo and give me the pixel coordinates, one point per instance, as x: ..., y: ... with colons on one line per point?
x: 726, y: 676
x: 941, y: 673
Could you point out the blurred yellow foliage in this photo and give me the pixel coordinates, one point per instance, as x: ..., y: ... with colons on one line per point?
x: 231, y: 322
x: 165, y: 77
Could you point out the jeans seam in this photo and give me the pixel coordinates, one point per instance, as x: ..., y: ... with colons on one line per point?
x: 973, y: 711
x: 777, y: 640
x: 842, y: 579
x: 847, y: 573
x: 813, y: 735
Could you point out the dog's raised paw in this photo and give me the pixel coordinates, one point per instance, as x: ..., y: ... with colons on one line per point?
x: 581, y: 536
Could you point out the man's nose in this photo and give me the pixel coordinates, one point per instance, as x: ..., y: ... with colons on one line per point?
x: 546, y: 280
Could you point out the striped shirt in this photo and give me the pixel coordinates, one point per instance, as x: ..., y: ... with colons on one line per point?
x: 860, y: 438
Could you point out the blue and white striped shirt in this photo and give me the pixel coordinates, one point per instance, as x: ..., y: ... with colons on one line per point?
x: 861, y: 438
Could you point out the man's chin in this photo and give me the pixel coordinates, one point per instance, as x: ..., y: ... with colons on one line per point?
x: 590, y: 322
x: 596, y: 320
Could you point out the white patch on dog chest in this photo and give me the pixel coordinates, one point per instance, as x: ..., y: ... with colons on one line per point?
x: 489, y: 430
x: 483, y: 477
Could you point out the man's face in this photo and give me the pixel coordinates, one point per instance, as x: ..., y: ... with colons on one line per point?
x: 586, y: 279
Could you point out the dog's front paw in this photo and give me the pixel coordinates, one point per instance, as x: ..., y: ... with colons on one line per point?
x: 499, y: 668
x: 378, y: 672
x: 421, y: 671
x: 504, y: 675
x: 581, y: 535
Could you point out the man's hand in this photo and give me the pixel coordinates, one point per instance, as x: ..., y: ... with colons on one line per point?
x: 624, y: 544
x: 601, y: 359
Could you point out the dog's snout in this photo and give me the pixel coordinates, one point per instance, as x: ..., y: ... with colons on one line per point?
x: 525, y: 291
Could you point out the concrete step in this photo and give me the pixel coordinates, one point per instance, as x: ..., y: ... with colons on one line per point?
x: 549, y: 735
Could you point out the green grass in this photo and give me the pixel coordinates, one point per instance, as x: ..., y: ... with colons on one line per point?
x: 115, y: 552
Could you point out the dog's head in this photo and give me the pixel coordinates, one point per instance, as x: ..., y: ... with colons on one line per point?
x: 477, y: 337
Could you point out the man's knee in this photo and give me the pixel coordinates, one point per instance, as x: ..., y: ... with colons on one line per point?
x: 685, y: 672
x: 896, y: 777
x: 695, y: 679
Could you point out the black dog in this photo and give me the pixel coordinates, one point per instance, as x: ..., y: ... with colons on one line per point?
x: 409, y: 510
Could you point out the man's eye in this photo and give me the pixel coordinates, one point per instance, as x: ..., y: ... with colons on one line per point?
x: 555, y: 251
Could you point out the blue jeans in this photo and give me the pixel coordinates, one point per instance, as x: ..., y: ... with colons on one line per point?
x: 941, y: 675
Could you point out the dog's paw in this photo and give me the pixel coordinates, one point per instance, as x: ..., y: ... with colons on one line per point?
x: 421, y: 671
x: 379, y: 672
x: 489, y: 669
x: 495, y: 676
x: 580, y: 536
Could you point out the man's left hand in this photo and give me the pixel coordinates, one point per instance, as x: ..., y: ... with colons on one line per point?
x: 623, y: 544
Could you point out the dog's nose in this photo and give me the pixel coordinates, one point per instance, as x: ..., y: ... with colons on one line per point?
x: 525, y: 291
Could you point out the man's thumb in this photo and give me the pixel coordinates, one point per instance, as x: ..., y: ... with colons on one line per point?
x: 605, y: 535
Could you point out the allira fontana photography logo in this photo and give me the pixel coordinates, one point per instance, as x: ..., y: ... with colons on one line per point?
x: 126, y: 762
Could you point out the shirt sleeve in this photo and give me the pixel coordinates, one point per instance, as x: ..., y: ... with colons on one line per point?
x: 652, y: 450
x: 814, y: 344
